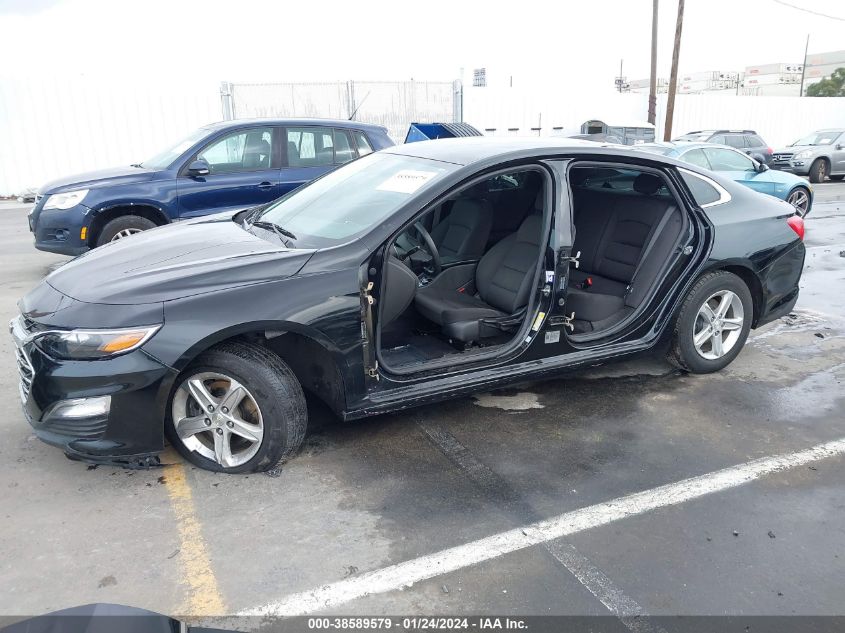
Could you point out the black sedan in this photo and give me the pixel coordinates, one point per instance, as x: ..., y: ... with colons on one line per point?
x: 419, y: 273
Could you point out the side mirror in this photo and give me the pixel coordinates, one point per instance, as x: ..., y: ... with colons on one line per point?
x: 199, y: 168
x: 839, y: 146
x: 761, y: 164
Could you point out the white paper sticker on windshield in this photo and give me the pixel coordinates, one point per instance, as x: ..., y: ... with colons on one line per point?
x: 406, y: 181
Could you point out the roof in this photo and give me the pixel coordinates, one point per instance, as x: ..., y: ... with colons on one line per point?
x: 344, y: 123
x: 429, y: 131
x: 621, y: 122
x: 465, y: 151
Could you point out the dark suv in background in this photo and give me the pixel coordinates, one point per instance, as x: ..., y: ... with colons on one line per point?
x: 220, y: 167
x: 747, y: 141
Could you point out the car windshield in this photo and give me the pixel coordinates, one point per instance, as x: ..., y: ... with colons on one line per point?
x: 165, y: 158
x: 348, y: 202
x: 824, y: 137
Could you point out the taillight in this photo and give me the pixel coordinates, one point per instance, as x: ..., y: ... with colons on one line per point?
x: 771, y: 151
x: 796, y: 223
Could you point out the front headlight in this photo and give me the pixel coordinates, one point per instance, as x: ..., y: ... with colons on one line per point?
x: 805, y: 154
x: 92, y: 344
x: 65, y: 200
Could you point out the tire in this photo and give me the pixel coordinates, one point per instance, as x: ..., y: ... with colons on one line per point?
x: 121, y: 226
x: 800, y: 199
x: 818, y: 170
x: 273, y: 402
x: 683, y: 352
x: 837, y: 178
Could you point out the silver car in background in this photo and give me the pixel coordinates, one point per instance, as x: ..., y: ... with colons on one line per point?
x: 818, y: 156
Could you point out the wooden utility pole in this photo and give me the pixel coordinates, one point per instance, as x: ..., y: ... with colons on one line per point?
x: 673, y: 76
x: 652, y: 82
x: 804, y: 65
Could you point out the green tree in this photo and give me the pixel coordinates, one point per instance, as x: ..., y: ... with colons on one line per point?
x: 833, y: 86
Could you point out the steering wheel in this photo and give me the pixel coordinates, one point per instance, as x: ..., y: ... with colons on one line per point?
x: 430, y: 247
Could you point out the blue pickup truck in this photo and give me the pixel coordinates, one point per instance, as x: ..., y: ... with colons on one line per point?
x: 220, y: 167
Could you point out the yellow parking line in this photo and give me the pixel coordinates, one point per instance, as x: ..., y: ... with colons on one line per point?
x: 203, y: 596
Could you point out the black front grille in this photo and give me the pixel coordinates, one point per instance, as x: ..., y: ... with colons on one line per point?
x: 782, y: 158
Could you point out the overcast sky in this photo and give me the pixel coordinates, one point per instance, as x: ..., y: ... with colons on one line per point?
x: 250, y: 40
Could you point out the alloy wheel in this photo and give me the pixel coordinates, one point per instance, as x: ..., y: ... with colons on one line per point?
x: 124, y: 233
x: 216, y: 416
x: 718, y: 325
x: 800, y: 200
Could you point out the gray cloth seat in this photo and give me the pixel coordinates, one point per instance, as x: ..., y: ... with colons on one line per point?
x: 462, y: 235
x: 503, y: 278
x: 624, y: 240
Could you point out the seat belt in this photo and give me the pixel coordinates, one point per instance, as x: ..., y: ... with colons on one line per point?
x: 651, y: 242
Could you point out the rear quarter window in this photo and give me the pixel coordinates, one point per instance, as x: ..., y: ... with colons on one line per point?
x: 702, y: 191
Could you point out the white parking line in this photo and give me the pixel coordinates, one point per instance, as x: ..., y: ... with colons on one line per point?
x: 631, y: 614
x: 449, y: 560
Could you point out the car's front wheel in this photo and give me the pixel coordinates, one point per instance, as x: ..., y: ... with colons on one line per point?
x: 712, y: 324
x: 238, y: 408
x: 122, y: 227
x: 800, y: 199
x: 818, y: 170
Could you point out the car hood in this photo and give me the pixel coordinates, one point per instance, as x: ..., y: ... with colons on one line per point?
x: 176, y: 261
x: 794, y: 149
x: 99, y: 178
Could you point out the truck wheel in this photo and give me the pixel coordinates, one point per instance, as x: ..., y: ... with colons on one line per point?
x: 818, y: 170
x: 123, y: 226
x: 712, y: 324
x: 237, y: 409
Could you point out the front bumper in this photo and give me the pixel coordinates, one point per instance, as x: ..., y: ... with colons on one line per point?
x: 130, y: 433
x: 59, y: 230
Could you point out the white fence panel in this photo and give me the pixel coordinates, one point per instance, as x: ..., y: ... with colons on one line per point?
x: 392, y: 104
x: 503, y: 111
x: 54, y: 128
x: 779, y: 120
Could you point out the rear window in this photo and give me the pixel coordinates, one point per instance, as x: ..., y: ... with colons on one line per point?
x: 703, y: 192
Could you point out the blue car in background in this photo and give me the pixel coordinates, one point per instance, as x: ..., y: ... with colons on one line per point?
x: 744, y: 169
x: 219, y: 167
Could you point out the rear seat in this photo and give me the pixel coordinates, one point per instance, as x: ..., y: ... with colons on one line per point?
x: 624, y: 240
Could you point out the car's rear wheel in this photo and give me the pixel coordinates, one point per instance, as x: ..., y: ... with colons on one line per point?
x: 712, y: 324
x: 818, y: 170
x: 238, y: 408
x: 800, y: 199
x: 122, y: 227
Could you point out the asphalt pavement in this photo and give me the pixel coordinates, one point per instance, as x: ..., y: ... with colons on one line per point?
x: 567, y: 496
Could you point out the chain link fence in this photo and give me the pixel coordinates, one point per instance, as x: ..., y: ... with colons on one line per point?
x: 392, y: 104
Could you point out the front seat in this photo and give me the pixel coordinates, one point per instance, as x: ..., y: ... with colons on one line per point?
x: 256, y: 154
x: 504, y: 279
x: 462, y: 235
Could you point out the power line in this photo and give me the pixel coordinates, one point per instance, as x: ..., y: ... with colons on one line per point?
x: 820, y: 14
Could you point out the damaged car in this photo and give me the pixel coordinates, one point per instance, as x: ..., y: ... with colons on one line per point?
x: 415, y: 274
